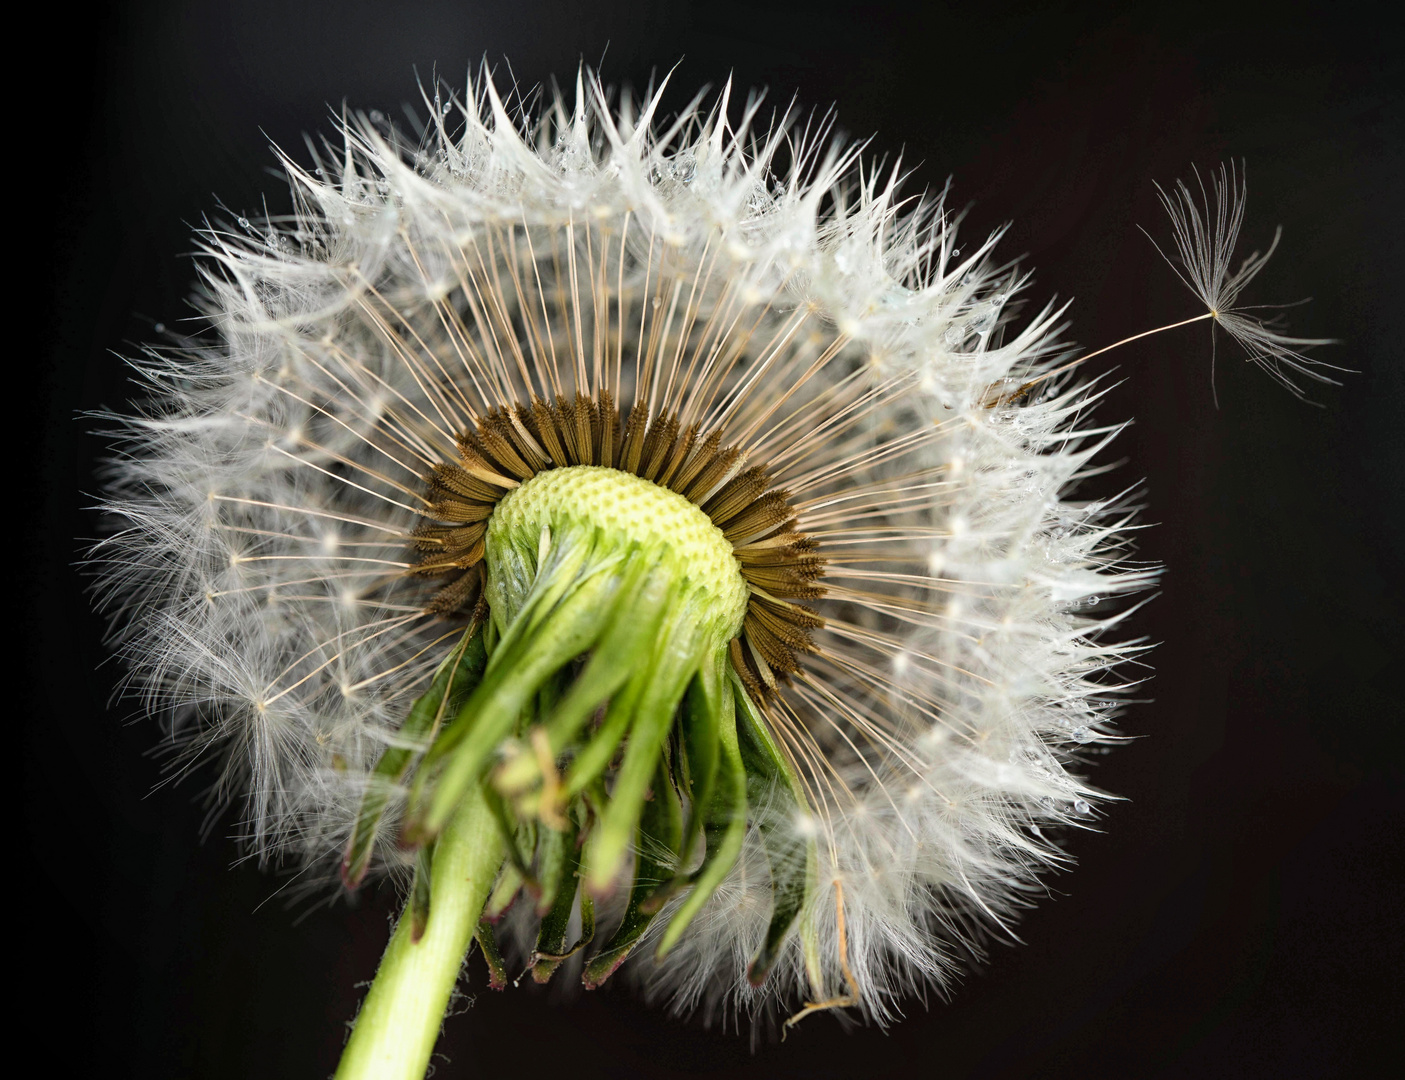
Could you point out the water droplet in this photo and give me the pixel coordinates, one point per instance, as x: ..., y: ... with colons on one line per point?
x: 954, y: 334
x: 377, y: 117
x: 160, y: 328
x: 244, y: 223
x: 684, y: 167
x: 1082, y: 806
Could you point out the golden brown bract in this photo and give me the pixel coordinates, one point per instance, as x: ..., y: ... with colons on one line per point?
x: 507, y: 447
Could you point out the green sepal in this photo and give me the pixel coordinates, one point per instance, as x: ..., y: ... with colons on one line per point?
x: 509, y: 884
x: 623, y: 647
x: 419, y: 893
x: 660, y: 831
x: 547, y: 697
x: 590, y: 762
x: 793, y: 860
x: 676, y: 660
x: 515, y: 673
x: 587, y: 921
x: 503, y: 685
x: 519, y: 837
x: 701, y: 747
x: 545, y: 964
x: 558, y: 858
x: 497, y: 970
x: 723, y: 830
x: 453, y: 682
x: 646, y: 611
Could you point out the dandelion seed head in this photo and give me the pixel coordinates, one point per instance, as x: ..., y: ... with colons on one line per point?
x: 282, y: 580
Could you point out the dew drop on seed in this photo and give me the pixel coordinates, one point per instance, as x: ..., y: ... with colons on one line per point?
x: 1082, y: 807
x: 244, y: 223
x: 953, y: 335
x: 684, y: 167
x: 160, y: 328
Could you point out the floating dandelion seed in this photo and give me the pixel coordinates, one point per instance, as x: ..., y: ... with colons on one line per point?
x: 648, y: 532
x: 1205, y: 243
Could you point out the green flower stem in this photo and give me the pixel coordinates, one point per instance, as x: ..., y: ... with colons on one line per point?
x: 399, y: 1022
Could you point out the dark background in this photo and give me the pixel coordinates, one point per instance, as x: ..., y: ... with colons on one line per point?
x: 1240, y: 914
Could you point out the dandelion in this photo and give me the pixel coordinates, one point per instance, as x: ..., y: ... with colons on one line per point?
x: 653, y: 537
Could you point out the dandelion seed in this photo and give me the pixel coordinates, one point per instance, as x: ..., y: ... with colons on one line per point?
x: 624, y: 529
x: 1205, y: 242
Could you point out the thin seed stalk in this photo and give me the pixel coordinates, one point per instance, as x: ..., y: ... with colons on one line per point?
x: 399, y: 1022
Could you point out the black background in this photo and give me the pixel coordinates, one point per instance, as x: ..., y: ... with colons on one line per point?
x: 1240, y: 914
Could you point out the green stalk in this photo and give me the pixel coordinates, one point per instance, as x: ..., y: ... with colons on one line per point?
x: 399, y: 1022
